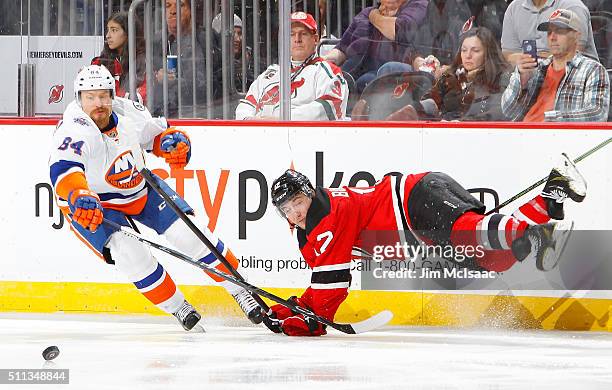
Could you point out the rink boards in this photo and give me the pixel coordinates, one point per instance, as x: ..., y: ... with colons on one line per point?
x: 45, y: 268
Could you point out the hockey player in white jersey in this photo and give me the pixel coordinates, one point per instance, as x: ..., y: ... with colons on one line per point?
x: 318, y: 89
x: 95, y: 154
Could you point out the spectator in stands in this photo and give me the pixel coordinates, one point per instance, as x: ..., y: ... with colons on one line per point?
x: 185, y: 61
x: 437, y: 40
x: 565, y: 87
x: 237, y: 53
x: 489, y: 14
x: 378, y: 35
x: 308, y: 6
x: 318, y: 89
x: 471, y: 88
x: 323, y: 19
x: 523, y: 16
x: 115, y: 56
x: 593, y: 5
x: 601, y: 22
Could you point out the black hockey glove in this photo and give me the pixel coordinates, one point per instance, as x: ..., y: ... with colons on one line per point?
x: 272, y: 323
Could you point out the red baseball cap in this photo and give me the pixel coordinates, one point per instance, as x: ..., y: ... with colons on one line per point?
x: 305, y: 19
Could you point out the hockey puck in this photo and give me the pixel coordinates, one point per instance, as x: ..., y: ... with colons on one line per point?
x: 51, y: 352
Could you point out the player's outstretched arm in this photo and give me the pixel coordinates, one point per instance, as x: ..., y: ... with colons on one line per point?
x: 67, y: 172
x: 330, y: 259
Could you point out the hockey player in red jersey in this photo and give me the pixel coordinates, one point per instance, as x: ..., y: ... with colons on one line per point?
x: 96, y: 153
x: 431, y: 207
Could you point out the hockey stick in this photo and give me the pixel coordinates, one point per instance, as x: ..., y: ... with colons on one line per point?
x: 542, y: 181
x: 371, y: 323
x: 148, y: 176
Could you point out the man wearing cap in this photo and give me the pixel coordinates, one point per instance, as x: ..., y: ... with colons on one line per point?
x: 318, y: 89
x: 523, y: 16
x: 565, y: 87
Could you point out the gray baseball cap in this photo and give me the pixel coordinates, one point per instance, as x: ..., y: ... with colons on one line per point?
x: 563, y: 18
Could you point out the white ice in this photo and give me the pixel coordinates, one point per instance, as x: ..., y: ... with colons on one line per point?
x: 149, y: 352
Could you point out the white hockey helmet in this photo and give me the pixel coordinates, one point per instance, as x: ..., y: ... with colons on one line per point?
x: 93, y: 77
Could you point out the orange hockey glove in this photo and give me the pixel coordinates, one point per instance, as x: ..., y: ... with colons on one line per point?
x: 86, y: 209
x: 175, y: 147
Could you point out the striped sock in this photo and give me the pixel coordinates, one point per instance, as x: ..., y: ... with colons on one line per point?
x: 497, y: 231
x: 159, y: 288
x: 211, y: 260
x: 534, y: 212
x: 493, y: 233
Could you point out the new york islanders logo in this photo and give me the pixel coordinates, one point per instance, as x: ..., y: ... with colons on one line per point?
x: 122, y: 173
x: 56, y: 93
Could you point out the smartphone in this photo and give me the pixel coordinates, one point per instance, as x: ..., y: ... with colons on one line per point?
x: 529, y: 47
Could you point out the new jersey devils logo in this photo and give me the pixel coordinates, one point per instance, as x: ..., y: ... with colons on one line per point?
x: 122, y: 172
x: 400, y: 90
x: 56, y: 93
x: 556, y: 14
x: 337, y: 88
x: 272, y: 96
x: 467, y: 26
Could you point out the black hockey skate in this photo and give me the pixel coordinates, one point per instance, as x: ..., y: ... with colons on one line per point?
x: 563, y: 182
x: 249, y: 306
x: 544, y: 242
x: 187, y: 316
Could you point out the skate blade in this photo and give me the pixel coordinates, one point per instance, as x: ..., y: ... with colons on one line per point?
x: 561, y: 235
x: 578, y: 185
x: 197, y: 328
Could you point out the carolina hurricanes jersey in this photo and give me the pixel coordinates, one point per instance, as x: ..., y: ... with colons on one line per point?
x: 318, y: 92
x: 109, y: 161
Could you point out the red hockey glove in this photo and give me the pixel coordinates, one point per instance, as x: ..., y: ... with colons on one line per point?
x: 292, y: 324
x: 86, y: 209
x: 175, y: 147
x: 274, y: 321
x: 300, y: 326
x: 281, y: 312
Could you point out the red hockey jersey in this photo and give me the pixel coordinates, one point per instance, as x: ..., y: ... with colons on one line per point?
x: 335, y: 222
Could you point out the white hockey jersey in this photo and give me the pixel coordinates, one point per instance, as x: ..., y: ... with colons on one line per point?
x: 318, y: 92
x: 110, y: 161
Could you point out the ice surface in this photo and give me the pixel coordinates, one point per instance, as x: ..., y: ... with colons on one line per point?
x: 149, y: 352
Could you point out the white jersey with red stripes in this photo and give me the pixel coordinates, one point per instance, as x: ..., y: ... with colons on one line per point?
x: 110, y: 161
x: 318, y: 92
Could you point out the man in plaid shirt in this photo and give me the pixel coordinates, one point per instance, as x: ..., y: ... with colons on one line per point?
x: 566, y: 87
